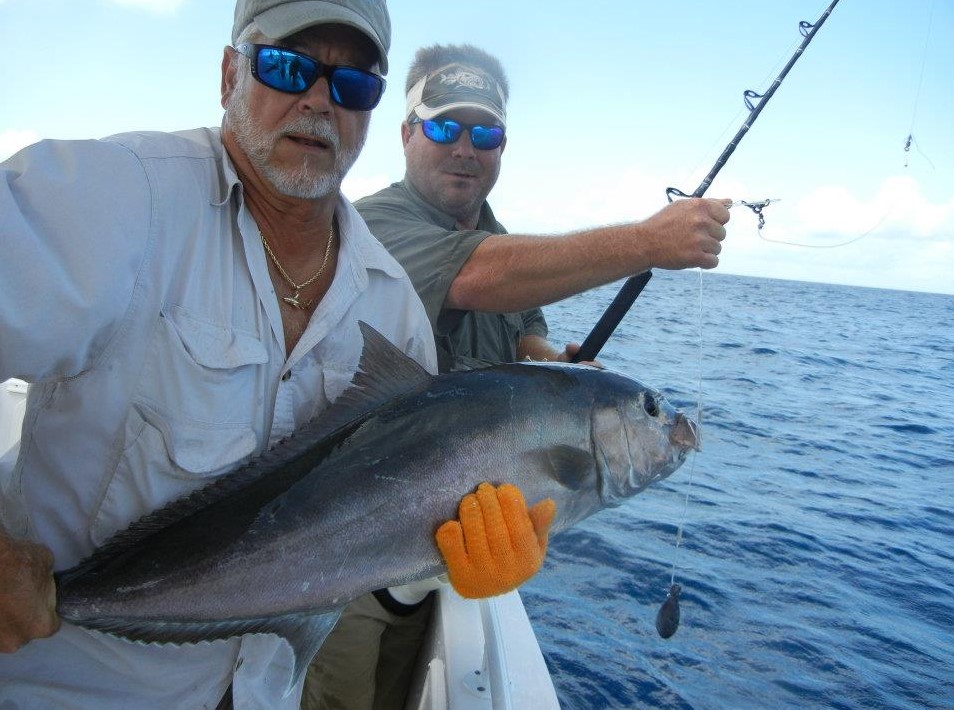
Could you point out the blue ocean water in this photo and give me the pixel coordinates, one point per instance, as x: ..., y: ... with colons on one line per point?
x: 817, y: 559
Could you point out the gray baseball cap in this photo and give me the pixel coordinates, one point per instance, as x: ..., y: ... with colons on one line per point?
x: 453, y: 87
x: 280, y: 18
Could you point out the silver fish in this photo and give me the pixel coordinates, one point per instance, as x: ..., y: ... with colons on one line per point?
x: 350, y: 503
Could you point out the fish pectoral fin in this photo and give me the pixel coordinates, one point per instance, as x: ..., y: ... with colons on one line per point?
x: 569, y: 465
x: 305, y: 635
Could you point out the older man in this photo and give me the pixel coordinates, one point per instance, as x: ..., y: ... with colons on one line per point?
x: 181, y: 302
x: 482, y: 288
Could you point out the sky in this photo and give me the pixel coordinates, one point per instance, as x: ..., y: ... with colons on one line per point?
x: 612, y: 101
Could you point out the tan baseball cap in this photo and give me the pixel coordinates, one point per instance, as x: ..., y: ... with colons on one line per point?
x: 280, y: 18
x: 456, y: 86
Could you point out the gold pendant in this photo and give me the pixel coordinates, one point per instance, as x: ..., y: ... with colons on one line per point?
x: 295, y: 303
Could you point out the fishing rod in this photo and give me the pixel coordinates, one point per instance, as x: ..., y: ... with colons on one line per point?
x: 634, y: 284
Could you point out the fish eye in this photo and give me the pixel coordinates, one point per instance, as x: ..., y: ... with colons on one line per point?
x: 650, y: 405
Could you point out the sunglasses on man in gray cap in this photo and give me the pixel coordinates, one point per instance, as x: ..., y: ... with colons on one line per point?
x: 280, y: 18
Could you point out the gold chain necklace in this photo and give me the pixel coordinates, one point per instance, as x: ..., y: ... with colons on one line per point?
x: 294, y: 299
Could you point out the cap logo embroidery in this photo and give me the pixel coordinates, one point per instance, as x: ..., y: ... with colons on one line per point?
x: 466, y: 79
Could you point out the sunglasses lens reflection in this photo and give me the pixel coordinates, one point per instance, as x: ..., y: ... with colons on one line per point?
x: 286, y: 71
x: 447, y: 132
x: 294, y: 73
x: 355, y: 89
x: 486, y: 137
x: 442, y: 131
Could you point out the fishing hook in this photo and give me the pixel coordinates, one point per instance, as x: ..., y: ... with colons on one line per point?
x: 757, y: 208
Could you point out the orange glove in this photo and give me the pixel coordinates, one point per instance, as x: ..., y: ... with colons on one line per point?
x: 498, y: 544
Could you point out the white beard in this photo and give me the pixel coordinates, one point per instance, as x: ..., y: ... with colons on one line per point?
x: 306, y: 182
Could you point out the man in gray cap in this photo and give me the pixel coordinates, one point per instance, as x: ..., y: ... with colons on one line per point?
x: 181, y: 302
x: 483, y: 288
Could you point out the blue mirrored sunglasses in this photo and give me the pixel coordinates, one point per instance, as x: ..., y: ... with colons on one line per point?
x: 446, y: 131
x: 292, y: 72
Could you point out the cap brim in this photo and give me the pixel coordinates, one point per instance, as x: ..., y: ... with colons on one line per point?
x: 284, y: 20
x: 428, y: 112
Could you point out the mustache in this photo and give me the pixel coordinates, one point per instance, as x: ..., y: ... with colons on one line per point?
x: 465, y: 166
x: 314, y: 127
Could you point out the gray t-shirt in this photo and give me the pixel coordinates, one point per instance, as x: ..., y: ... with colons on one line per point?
x: 424, y: 240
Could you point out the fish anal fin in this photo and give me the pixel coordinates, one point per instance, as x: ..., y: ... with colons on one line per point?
x: 305, y: 638
x: 305, y: 633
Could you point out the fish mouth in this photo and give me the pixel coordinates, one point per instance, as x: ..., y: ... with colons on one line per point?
x: 685, y: 433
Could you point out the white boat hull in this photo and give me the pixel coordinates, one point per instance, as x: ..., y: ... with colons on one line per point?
x: 481, y: 655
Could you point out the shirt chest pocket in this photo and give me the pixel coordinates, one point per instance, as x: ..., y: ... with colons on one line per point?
x: 193, y: 417
x: 203, y: 372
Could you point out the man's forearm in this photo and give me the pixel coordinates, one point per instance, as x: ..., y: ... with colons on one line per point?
x: 509, y: 273
x: 515, y: 272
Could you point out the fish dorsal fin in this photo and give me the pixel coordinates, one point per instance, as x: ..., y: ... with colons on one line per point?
x: 385, y: 367
x: 305, y: 633
x: 384, y: 372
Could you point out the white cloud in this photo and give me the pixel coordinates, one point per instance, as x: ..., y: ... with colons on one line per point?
x: 163, y: 6
x: 897, y: 205
x: 11, y: 140
x: 894, y: 238
x: 528, y: 199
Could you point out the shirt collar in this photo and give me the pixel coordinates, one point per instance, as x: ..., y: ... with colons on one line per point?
x: 357, y: 238
x: 228, y: 179
x: 486, y: 221
x: 353, y: 230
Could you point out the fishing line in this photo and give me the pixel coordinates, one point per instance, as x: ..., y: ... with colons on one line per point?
x: 907, y: 149
x: 917, y: 97
x: 692, y: 464
x: 716, y: 147
x: 757, y: 208
x: 667, y: 618
x: 910, y: 141
x: 634, y: 285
